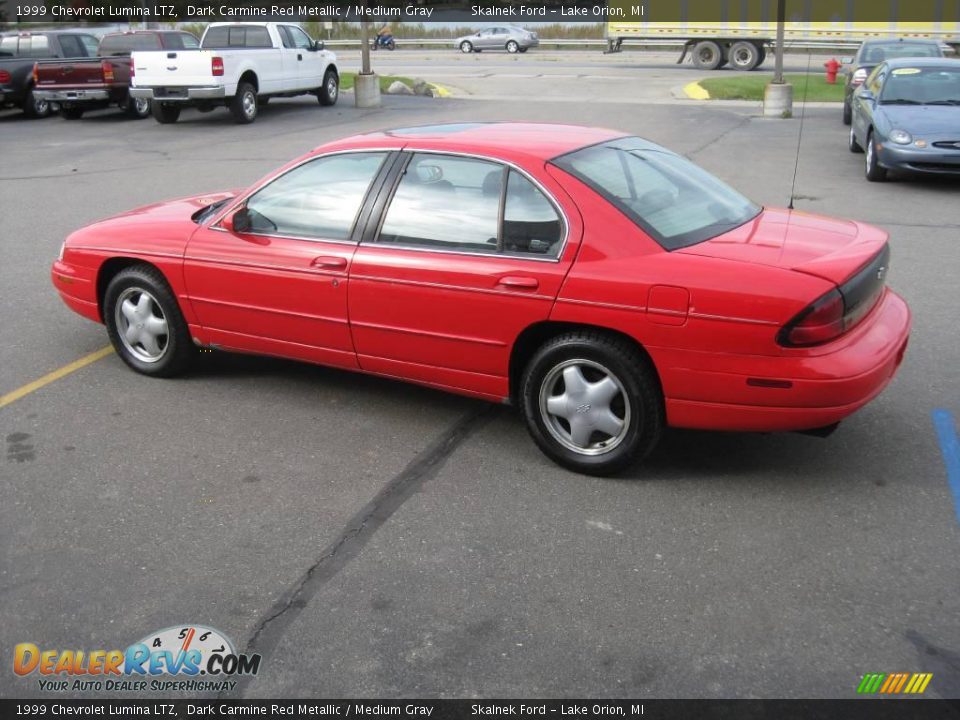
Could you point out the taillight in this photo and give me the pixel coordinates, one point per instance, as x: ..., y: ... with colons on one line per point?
x: 133, y: 70
x: 107, y: 69
x: 36, y: 74
x: 216, y: 66
x: 819, y: 323
x: 858, y: 77
x: 5, y: 76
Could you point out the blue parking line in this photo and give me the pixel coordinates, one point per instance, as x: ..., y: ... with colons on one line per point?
x: 950, y: 447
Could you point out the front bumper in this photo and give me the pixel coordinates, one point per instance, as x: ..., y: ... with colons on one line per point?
x: 807, y: 391
x: 178, y: 94
x: 72, y: 95
x: 927, y: 160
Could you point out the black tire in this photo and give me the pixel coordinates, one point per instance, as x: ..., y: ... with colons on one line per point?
x: 523, y: 50
x: 163, y: 113
x: 137, y: 109
x: 466, y: 47
x: 852, y: 143
x: 34, y: 107
x: 330, y: 90
x: 71, y: 112
x: 872, y: 169
x: 763, y: 54
x: 512, y: 47
x: 243, y: 105
x: 637, y: 402
x: 847, y: 112
x: 743, y: 56
x: 175, y: 347
x: 707, y: 55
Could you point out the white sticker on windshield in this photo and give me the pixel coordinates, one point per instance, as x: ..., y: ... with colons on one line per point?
x: 906, y: 71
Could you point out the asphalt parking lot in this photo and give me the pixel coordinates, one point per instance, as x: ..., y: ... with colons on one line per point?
x: 372, y: 538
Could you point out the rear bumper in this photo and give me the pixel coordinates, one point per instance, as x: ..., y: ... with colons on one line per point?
x: 179, y: 94
x: 794, y: 392
x: 84, y: 95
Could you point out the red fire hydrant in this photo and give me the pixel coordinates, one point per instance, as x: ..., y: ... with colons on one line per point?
x: 832, y: 67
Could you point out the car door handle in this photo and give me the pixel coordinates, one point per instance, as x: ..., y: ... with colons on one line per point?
x: 329, y: 262
x: 299, y: 56
x: 518, y: 282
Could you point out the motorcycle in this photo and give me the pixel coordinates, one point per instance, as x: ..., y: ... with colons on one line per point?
x: 383, y: 41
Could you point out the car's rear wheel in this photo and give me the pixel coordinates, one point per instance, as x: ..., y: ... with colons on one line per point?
x: 707, y: 55
x: 34, y: 107
x: 243, y: 106
x: 330, y: 90
x: 512, y: 46
x: 847, y: 112
x: 852, y: 142
x: 592, y: 402
x: 163, y: 113
x: 145, y: 324
x: 872, y: 168
x: 71, y: 112
x: 523, y: 50
x: 466, y: 46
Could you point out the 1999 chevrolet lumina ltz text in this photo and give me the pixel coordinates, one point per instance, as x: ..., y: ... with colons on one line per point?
x: 604, y: 284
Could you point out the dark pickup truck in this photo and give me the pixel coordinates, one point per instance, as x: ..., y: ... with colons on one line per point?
x: 19, y: 51
x: 81, y: 85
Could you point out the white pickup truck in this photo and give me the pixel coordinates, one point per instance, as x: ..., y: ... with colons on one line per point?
x: 239, y: 65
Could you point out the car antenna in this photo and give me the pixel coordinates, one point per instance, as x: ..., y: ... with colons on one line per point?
x: 803, y: 112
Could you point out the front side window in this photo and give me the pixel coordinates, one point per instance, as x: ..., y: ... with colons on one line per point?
x: 70, y: 44
x: 319, y: 199
x: 299, y: 38
x: 189, y: 41
x: 89, y: 45
x: 456, y: 203
x: 671, y: 199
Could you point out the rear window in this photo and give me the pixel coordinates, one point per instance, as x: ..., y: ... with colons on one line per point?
x: 127, y: 43
x: 232, y: 36
x: 675, y: 202
x: 876, y: 53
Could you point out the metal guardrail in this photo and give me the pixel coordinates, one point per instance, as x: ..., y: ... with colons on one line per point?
x: 602, y: 43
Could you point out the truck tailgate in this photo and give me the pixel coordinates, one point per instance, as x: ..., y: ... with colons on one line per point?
x: 69, y: 73
x: 173, y: 68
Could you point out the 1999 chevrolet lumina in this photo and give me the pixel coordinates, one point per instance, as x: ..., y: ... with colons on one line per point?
x: 605, y: 284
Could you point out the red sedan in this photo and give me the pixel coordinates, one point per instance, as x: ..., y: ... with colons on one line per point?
x: 603, y: 283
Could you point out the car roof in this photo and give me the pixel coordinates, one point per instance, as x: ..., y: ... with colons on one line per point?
x: 923, y: 62
x: 542, y: 141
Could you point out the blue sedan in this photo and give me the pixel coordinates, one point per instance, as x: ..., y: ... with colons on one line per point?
x: 906, y: 116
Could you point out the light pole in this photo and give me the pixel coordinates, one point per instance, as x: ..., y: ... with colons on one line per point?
x: 778, y: 97
x: 366, y: 87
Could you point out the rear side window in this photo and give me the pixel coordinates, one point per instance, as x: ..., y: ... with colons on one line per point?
x: 90, y: 45
x: 8, y: 46
x: 319, y: 199
x: 230, y: 36
x: 71, y: 46
x: 189, y: 41
x: 37, y: 46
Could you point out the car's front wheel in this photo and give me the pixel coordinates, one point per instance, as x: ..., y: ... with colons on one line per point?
x: 592, y: 402
x: 145, y: 324
x: 872, y: 168
x: 512, y: 46
x: 847, y: 113
x: 466, y: 46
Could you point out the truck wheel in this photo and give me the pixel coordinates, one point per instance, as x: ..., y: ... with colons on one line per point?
x: 244, y: 104
x: 34, y: 107
x: 744, y: 56
x: 330, y: 90
x: 164, y: 114
x: 707, y: 55
x: 592, y: 403
x: 68, y: 112
x: 137, y: 108
x: 762, y: 55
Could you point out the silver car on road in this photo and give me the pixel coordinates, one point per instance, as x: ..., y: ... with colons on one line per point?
x: 511, y: 38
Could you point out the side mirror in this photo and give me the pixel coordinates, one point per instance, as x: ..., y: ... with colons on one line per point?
x: 238, y: 222
x: 317, y: 46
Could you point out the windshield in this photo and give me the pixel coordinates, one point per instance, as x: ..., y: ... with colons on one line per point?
x: 922, y: 86
x: 670, y: 198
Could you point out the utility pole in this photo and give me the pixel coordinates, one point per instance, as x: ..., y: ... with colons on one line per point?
x: 778, y: 50
x: 366, y: 86
x: 778, y: 97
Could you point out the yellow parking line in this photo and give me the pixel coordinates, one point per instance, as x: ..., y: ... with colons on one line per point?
x: 55, y: 375
x: 695, y: 91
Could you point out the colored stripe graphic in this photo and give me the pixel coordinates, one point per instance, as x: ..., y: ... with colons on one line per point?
x: 894, y: 683
x: 950, y: 447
